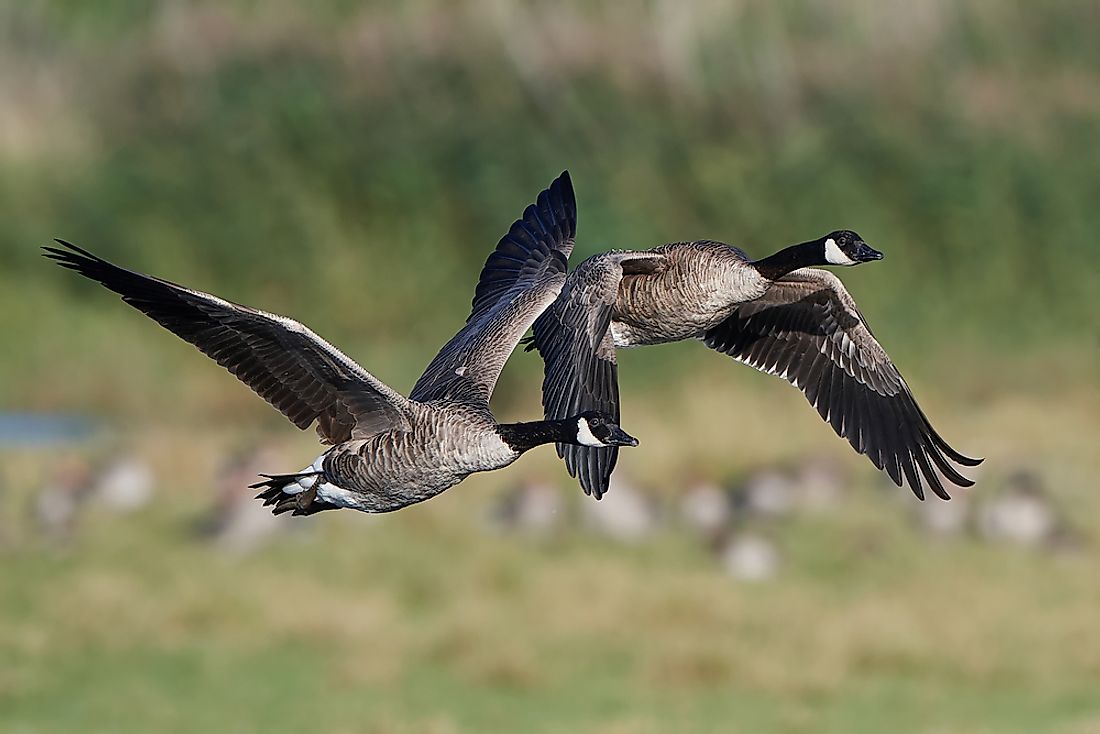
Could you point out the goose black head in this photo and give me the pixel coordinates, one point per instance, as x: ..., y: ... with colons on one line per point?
x: 845, y: 247
x: 597, y: 429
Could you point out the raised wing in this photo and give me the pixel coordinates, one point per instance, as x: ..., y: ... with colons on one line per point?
x: 521, y: 277
x: 285, y: 363
x: 579, y: 356
x: 808, y: 330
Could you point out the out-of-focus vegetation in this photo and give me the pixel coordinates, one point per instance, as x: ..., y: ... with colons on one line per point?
x: 351, y: 164
x: 423, y: 622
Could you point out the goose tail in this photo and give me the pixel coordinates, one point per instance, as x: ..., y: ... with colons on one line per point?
x: 294, y: 493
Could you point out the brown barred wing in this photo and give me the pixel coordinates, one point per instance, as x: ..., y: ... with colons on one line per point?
x: 296, y: 371
x: 807, y: 330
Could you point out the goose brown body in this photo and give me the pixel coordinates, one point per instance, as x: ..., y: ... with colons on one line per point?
x: 695, y: 286
x: 776, y: 315
x: 447, y: 441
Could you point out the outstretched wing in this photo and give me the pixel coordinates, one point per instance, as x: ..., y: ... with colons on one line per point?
x: 521, y: 277
x: 808, y: 330
x: 285, y: 363
x: 579, y: 355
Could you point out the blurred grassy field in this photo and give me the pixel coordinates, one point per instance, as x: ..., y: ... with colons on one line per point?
x: 421, y: 621
x: 352, y: 164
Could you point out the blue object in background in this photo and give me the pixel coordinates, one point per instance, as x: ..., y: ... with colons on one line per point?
x: 43, y: 428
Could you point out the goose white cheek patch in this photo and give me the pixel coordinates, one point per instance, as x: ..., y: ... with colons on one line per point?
x: 834, y: 255
x: 585, y: 437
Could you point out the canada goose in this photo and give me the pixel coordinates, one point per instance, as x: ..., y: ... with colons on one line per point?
x: 774, y: 314
x: 387, y: 451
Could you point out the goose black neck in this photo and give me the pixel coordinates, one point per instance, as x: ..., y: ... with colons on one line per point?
x: 526, y: 436
x: 774, y: 267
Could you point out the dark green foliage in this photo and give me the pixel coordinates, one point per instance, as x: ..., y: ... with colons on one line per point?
x: 353, y: 166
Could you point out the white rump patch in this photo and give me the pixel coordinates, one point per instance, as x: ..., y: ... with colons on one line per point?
x: 339, y: 496
x: 305, y: 483
x: 585, y: 437
x: 834, y: 255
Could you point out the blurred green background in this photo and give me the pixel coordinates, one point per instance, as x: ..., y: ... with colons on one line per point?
x: 351, y: 164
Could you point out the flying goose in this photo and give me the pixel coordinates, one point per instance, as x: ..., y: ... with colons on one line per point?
x: 776, y: 315
x: 387, y: 451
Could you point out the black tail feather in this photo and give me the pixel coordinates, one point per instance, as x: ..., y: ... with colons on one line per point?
x: 304, y: 502
x: 281, y: 480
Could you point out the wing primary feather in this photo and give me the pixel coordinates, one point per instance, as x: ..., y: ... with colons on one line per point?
x: 251, y: 344
x: 947, y: 469
x: 930, y: 476
x: 872, y: 433
x: 807, y: 330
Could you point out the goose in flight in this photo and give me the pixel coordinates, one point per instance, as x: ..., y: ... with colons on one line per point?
x: 387, y: 451
x: 777, y: 314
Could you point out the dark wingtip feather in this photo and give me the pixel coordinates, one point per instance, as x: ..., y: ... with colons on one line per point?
x: 71, y: 246
x: 67, y: 255
x: 969, y: 461
x: 93, y: 267
x: 541, y: 238
x: 562, y: 186
x: 931, y: 477
x: 562, y: 203
x: 946, y: 449
x: 938, y: 440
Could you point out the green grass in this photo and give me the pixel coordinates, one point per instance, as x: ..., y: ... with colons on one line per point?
x: 423, y: 621
x: 379, y: 625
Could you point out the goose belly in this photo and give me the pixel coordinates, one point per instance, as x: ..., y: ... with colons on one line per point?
x: 639, y: 332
